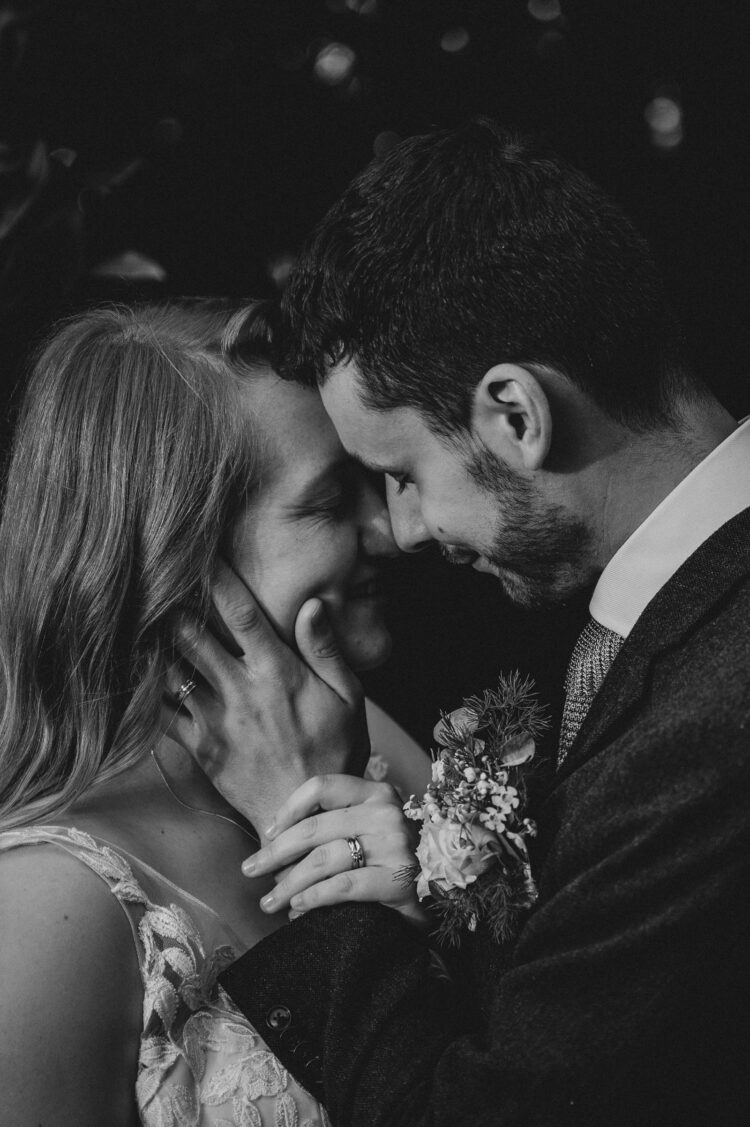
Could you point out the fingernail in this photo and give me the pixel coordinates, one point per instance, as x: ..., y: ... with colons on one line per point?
x: 268, y: 902
x: 270, y: 832
x: 295, y: 915
x: 248, y: 867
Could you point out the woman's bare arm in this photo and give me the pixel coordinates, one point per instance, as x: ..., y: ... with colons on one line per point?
x: 70, y: 995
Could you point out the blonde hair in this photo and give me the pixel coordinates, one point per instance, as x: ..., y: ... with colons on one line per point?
x: 130, y: 460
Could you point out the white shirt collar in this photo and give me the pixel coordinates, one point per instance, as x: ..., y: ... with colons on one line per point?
x: 711, y: 494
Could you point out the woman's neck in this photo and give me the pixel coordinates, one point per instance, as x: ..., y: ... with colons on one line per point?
x: 164, y: 787
x: 189, y: 786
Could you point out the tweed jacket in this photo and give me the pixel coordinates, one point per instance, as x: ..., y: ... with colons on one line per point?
x: 625, y: 998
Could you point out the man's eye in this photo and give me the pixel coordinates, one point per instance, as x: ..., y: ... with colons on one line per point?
x: 401, y: 482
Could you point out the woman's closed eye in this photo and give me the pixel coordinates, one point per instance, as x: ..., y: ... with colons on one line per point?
x: 336, y: 497
x: 334, y: 503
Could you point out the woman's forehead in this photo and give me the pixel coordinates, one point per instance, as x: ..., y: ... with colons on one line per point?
x: 294, y: 430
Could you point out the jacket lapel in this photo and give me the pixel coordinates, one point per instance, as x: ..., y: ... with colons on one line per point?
x: 696, y: 588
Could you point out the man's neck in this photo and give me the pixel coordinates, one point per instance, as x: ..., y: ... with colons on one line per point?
x: 645, y: 469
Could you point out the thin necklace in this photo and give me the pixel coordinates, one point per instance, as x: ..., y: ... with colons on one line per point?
x: 196, y: 809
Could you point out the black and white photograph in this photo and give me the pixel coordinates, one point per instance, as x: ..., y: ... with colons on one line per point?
x: 374, y: 563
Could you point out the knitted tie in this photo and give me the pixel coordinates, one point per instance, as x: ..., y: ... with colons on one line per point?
x: 594, y: 652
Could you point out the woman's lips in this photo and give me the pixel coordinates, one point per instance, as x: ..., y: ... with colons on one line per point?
x: 366, y: 589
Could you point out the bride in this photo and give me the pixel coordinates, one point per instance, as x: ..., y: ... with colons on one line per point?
x: 152, y: 441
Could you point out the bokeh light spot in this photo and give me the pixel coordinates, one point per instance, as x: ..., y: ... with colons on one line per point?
x: 544, y: 10
x: 334, y: 64
x: 664, y: 118
x: 663, y: 114
x: 132, y: 265
x: 363, y: 7
x: 455, y: 39
x: 384, y: 142
x: 279, y: 267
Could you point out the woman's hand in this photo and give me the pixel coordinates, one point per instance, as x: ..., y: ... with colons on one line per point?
x: 261, y: 720
x: 311, y: 849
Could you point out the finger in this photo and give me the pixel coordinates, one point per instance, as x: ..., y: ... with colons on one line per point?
x: 325, y: 792
x: 323, y: 862
x: 289, y: 846
x: 179, y: 676
x: 245, y: 620
x: 205, y: 653
x: 357, y: 884
x: 318, y: 647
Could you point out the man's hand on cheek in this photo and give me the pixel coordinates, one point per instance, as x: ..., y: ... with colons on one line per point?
x: 261, y: 723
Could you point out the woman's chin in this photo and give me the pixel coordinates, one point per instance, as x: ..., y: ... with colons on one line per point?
x: 368, y: 650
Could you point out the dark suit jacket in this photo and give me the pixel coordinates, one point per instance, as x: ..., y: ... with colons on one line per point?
x: 625, y: 999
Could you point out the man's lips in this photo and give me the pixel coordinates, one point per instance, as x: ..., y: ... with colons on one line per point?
x: 485, y: 565
x: 459, y: 556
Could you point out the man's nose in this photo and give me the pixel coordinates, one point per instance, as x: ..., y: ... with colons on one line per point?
x: 408, y: 526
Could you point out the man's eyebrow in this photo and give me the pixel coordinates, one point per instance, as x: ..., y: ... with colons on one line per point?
x: 371, y: 466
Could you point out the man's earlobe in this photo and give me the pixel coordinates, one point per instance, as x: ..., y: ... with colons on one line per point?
x: 511, y: 415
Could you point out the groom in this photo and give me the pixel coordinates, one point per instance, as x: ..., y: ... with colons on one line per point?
x: 489, y: 330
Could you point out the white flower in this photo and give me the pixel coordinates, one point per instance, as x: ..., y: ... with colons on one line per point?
x: 470, y: 774
x: 452, y: 855
x: 413, y: 810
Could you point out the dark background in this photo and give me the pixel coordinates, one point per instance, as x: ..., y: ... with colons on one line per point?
x: 205, y: 137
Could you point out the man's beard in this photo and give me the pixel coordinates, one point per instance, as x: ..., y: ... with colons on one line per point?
x: 542, y: 554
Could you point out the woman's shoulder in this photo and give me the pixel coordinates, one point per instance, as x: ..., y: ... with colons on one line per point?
x: 70, y: 990
x: 60, y: 925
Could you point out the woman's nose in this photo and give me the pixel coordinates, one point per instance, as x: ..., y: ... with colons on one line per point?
x: 409, y: 529
x: 376, y: 534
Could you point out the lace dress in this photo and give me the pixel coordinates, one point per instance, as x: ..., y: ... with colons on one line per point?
x: 201, y: 1063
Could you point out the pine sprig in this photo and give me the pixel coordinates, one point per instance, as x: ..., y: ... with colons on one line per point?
x: 502, y: 715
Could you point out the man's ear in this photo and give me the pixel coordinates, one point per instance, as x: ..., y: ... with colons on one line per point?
x: 511, y: 415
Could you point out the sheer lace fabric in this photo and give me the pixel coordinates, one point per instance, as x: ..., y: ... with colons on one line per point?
x: 201, y: 1063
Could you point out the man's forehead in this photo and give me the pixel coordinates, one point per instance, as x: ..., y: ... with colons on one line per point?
x: 379, y: 438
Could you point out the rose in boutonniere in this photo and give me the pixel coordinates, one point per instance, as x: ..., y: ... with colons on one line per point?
x: 452, y: 855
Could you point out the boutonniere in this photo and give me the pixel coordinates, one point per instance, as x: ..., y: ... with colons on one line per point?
x: 472, y: 856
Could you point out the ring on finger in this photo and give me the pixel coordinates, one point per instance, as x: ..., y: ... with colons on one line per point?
x: 357, y: 852
x: 185, y: 689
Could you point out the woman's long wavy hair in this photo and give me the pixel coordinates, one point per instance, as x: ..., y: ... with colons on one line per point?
x: 130, y: 461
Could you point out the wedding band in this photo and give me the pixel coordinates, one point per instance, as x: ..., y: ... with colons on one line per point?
x: 185, y: 689
x: 357, y: 852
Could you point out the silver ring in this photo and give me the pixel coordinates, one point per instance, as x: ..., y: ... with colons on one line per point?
x: 185, y: 689
x: 357, y: 852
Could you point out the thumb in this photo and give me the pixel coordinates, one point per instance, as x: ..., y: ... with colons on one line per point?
x: 318, y: 647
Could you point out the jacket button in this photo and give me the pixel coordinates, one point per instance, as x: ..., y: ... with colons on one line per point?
x: 278, y: 1018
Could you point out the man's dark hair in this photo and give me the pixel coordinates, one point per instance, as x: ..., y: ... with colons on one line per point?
x: 465, y: 248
